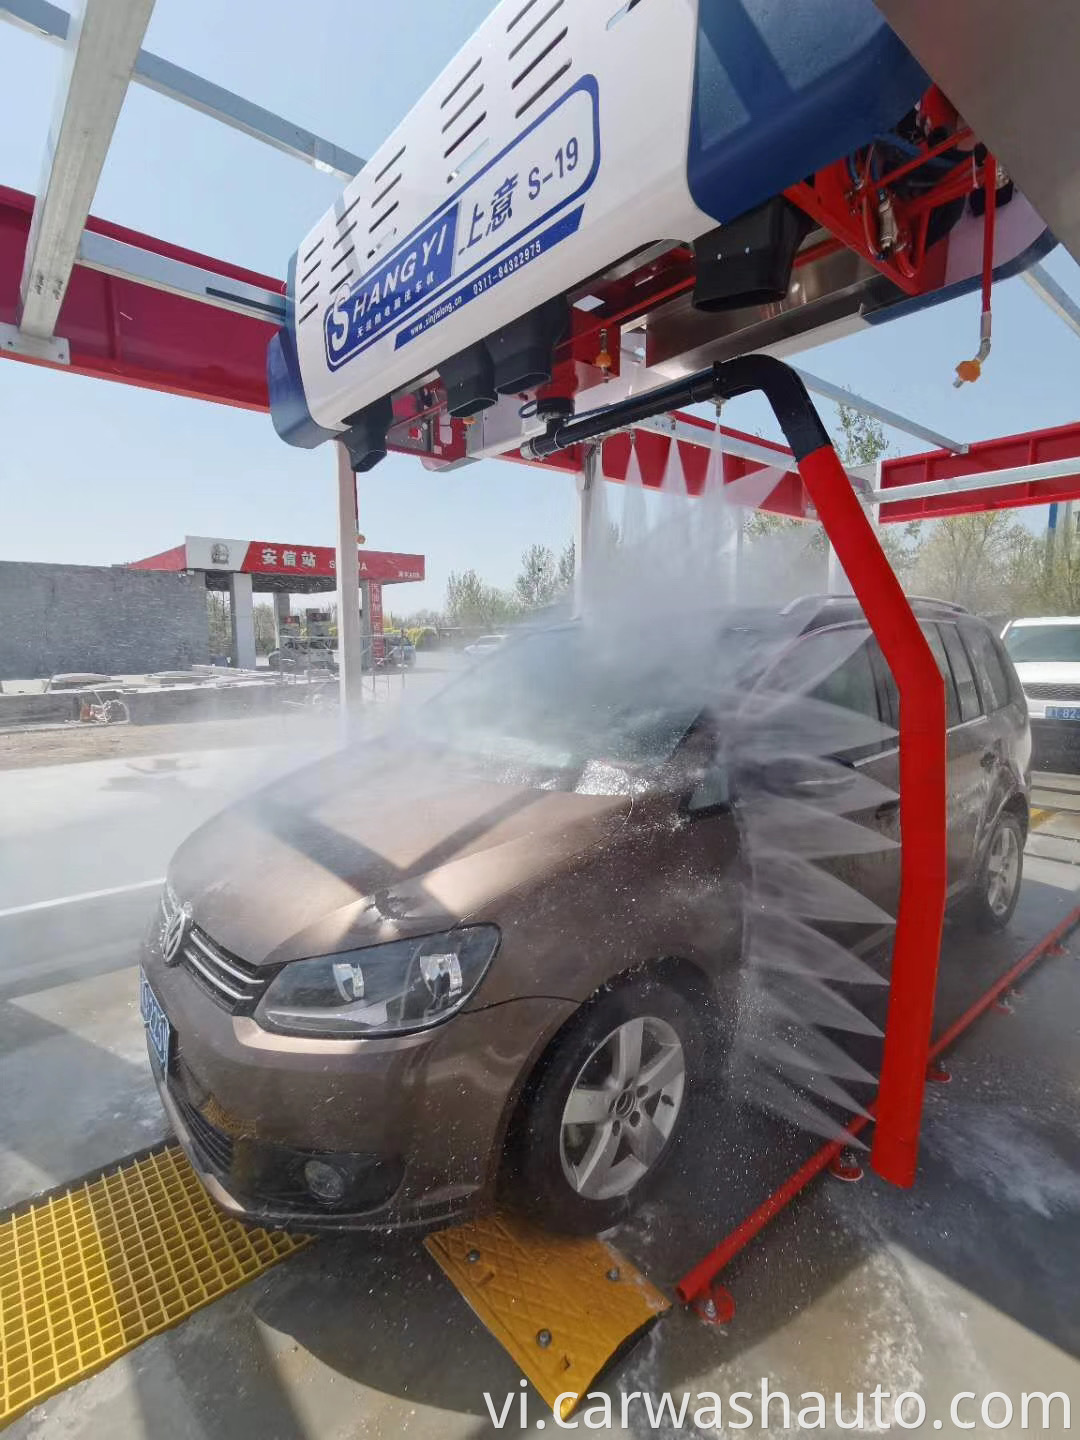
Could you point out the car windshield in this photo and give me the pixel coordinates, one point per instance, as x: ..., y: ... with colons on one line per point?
x: 554, y: 699
x: 1047, y: 643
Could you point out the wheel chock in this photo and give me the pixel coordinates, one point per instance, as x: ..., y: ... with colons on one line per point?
x: 562, y: 1306
x: 89, y: 1274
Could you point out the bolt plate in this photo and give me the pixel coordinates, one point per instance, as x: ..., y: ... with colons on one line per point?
x: 528, y: 1281
x: 34, y: 347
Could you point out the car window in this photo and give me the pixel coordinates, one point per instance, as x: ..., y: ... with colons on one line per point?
x: 952, y: 707
x: 852, y: 685
x: 963, y: 674
x: 989, y: 671
x: 1052, y: 643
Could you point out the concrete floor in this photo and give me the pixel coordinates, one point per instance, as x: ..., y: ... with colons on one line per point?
x: 968, y: 1282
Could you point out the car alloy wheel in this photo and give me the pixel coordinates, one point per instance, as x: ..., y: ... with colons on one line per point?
x: 622, y: 1108
x: 1002, y: 870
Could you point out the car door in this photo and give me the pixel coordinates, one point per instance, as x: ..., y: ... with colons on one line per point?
x: 840, y: 666
x: 1001, y: 724
x: 962, y: 749
x: 973, y: 755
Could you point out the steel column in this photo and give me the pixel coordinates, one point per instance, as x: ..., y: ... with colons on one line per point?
x: 176, y: 83
x: 349, y: 626
x: 102, y: 44
x: 242, y: 621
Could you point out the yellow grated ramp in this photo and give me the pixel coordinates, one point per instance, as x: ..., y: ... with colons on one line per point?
x: 562, y: 1306
x: 87, y: 1275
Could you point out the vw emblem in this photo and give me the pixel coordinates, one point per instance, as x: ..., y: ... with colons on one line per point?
x: 173, y: 932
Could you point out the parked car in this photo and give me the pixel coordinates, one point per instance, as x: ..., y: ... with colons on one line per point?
x: 1045, y: 650
x: 485, y: 644
x: 298, y: 655
x: 489, y: 961
x: 399, y: 653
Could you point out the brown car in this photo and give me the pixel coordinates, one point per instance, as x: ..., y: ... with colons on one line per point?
x: 486, y: 957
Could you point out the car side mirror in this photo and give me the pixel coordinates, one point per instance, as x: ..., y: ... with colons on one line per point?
x: 712, y: 791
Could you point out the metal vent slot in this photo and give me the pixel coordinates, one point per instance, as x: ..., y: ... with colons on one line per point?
x: 467, y: 76
x: 343, y: 257
x: 520, y: 15
x: 543, y: 89
x: 539, y: 25
x: 308, y: 273
x: 621, y: 13
x: 344, y: 235
x: 349, y: 208
x: 464, y: 166
x: 314, y: 247
x: 386, y: 191
x: 384, y: 216
x: 308, y: 313
x: 465, y: 134
x: 389, y: 165
x: 308, y: 294
x: 343, y: 281
x: 463, y: 107
x: 548, y: 48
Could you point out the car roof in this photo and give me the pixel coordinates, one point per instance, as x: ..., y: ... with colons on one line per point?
x: 824, y: 610
x: 1044, y: 620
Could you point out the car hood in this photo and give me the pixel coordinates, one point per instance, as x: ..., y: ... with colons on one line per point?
x: 1048, y: 672
x: 333, y: 857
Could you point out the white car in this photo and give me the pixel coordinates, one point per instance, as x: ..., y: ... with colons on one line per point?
x: 1046, y: 652
x: 484, y: 645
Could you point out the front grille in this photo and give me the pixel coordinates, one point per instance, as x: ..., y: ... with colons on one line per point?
x: 214, y: 1144
x: 1042, y: 691
x: 234, y: 984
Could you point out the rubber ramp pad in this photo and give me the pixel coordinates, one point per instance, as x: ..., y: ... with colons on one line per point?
x: 560, y: 1305
x: 89, y: 1274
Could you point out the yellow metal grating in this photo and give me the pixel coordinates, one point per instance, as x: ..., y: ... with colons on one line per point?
x: 562, y: 1306
x: 88, y: 1275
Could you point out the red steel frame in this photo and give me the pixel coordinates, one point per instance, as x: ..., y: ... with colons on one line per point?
x: 126, y: 330
x: 696, y: 1284
x: 922, y: 713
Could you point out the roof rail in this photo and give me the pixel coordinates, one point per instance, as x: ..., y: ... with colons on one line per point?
x: 945, y: 604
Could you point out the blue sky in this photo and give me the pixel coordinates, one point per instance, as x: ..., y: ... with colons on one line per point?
x: 99, y: 473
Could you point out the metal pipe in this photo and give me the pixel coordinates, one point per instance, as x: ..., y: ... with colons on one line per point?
x: 981, y: 480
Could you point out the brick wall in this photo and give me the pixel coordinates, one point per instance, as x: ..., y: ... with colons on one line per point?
x: 56, y: 618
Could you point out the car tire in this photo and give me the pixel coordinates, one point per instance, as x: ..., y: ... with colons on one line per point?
x: 993, y: 898
x: 632, y: 1057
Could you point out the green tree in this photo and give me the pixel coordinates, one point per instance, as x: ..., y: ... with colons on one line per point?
x: 566, y: 568
x: 862, y: 439
x: 471, y: 602
x: 535, y: 586
x: 986, y: 561
x: 217, y: 616
x: 265, y: 628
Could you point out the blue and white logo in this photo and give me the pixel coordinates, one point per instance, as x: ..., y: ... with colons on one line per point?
x: 398, y: 284
x: 522, y: 203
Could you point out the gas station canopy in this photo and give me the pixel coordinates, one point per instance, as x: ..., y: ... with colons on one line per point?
x: 274, y: 566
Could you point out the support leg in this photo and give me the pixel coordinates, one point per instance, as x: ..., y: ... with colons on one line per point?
x: 241, y: 621
x: 350, y: 634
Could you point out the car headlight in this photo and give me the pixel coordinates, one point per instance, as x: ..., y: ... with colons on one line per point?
x: 382, y: 990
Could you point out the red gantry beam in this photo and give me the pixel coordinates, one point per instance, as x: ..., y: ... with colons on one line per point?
x: 141, y: 335
x: 1004, y: 453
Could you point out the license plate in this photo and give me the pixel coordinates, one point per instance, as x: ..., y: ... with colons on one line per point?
x: 158, y: 1028
x: 1063, y: 712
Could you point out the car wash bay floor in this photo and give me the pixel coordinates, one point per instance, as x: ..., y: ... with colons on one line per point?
x: 967, y: 1282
